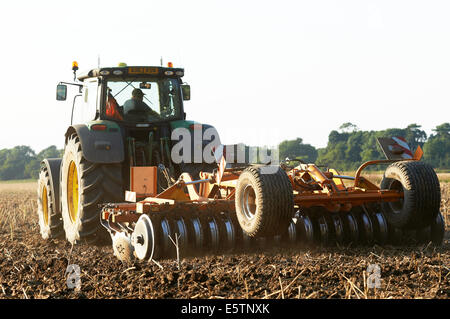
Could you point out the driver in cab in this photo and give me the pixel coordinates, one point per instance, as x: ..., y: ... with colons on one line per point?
x: 136, y: 109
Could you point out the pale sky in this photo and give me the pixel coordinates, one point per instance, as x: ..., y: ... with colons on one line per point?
x: 260, y: 71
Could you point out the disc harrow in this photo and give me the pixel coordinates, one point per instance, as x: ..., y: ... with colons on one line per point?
x: 246, y: 208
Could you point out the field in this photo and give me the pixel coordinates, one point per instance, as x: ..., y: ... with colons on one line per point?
x: 33, y: 268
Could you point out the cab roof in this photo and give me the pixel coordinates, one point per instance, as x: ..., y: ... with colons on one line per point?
x: 134, y: 71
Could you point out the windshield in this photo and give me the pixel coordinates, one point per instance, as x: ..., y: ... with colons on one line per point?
x: 143, y: 100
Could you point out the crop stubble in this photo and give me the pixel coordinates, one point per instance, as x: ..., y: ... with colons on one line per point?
x: 33, y: 268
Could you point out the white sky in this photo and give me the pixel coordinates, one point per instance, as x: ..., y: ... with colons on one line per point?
x: 260, y: 71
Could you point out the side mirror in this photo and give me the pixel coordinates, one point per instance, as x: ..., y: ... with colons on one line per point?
x: 186, y: 90
x: 61, y: 92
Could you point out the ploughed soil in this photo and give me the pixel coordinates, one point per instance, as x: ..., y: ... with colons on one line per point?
x: 33, y: 268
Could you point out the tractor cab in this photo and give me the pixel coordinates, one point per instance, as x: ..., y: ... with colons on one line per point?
x: 130, y: 95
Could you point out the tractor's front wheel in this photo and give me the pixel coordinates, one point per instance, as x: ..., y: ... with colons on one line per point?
x: 85, y: 185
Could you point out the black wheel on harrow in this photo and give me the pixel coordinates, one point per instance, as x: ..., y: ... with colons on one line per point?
x: 322, y: 230
x: 305, y: 230
x: 379, y: 223
x: 434, y: 233
x: 351, y: 229
x: 290, y: 236
x: 421, y: 194
x: 264, y: 201
x: 338, y: 229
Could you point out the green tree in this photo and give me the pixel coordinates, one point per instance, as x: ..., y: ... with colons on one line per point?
x: 295, y: 149
x: 348, y: 127
x: 415, y: 136
x: 14, y: 161
x: 50, y: 152
x: 437, y: 148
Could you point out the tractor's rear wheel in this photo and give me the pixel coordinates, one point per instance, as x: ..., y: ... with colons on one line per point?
x: 85, y: 185
x: 50, y: 223
x: 264, y: 201
x: 421, y: 194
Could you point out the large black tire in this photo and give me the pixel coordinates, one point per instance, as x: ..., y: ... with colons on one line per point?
x: 264, y: 202
x: 50, y: 223
x: 85, y: 185
x: 421, y: 194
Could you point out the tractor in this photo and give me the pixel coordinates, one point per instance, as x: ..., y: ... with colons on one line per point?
x: 124, y: 177
x: 108, y: 150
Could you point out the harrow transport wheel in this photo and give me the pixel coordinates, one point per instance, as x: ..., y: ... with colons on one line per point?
x: 421, y: 194
x: 85, y: 185
x: 50, y: 222
x: 264, y: 201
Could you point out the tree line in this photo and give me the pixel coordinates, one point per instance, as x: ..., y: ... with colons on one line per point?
x: 21, y: 162
x: 347, y: 148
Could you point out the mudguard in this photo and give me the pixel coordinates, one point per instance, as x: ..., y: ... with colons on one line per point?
x: 99, y: 146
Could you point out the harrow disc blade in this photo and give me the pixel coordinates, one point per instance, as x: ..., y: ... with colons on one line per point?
x: 143, y: 238
x: 434, y: 233
x: 438, y: 230
x: 379, y: 222
x: 165, y: 240
x: 290, y: 236
x: 181, y: 233
x: 323, y: 231
x: 229, y: 234
x: 351, y: 229
x: 395, y: 235
x: 196, y: 241
x: 292, y: 232
x: 338, y: 228
x: 366, y: 228
x: 380, y: 228
x: 214, y: 237
x: 305, y: 230
x: 246, y: 242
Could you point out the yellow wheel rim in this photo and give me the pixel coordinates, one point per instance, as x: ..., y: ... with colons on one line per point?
x: 72, y: 191
x: 45, y: 205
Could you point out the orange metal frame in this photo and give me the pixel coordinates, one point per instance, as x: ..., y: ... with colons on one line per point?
x: 311, y: 187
